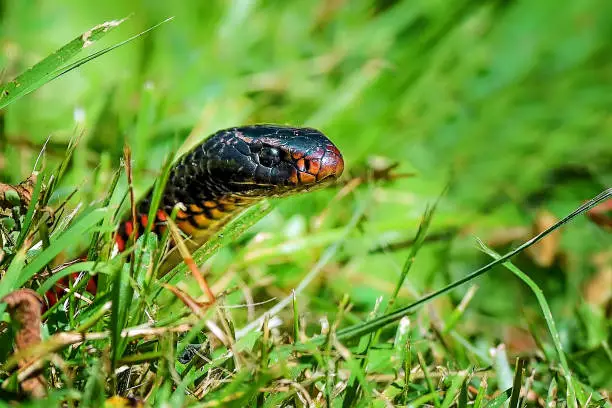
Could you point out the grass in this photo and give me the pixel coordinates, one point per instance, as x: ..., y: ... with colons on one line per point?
x: 505, y: 102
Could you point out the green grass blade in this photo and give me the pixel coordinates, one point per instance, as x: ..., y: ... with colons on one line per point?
x: 453, y: 391
x: 29, y: 217
x: 65, y: 240
x: 432, y: 389
x: 500, y: 399
x: 296, y: 319
x: 122, y: 298
x: 316, y: 269
x: 482, y: 390
x: 77, y: 267
x: 551, y: 395
x: 462, y: 402
x: 92, y: 254
x: 84, y: 60
x: 46, y: 70
x: 516, y: 384
x: 419, y: 239
x: 55, y: 178
x: 7, y: 283
x: 370, y: 326
x: 550, y: 322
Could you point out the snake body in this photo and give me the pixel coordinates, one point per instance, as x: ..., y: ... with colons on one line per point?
x: 230, y: 170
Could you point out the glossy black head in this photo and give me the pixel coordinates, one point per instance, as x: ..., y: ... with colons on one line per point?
x: 268, y: 160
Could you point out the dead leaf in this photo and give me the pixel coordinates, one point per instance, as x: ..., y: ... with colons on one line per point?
x: 20, y: 194
x: 602, y: 215
x: 519, y: 341
x: 598, y: 290
x: 544, y: 252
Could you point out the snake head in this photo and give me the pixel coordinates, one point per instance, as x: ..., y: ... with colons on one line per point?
x: 271, y: 160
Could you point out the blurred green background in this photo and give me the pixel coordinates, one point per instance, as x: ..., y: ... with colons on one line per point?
x: 507, y: 101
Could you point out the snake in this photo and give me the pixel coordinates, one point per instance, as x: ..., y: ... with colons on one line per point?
x: 229, y: 171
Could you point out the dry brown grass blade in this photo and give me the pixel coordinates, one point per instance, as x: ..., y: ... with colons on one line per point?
x: 25, y: 307
x: 61, y: 340
x: 598, y: 288
x: 200, y: 279
x: 194, y: 305
x: 21, y: 193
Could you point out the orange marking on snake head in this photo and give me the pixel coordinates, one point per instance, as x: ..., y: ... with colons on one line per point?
x: 314, y: 166
x: 307, y: 178
x: 332, y: 164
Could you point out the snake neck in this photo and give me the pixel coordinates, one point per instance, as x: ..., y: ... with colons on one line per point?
x: 198, y: 216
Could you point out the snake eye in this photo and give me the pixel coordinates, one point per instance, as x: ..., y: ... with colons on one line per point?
x: 269, y: 156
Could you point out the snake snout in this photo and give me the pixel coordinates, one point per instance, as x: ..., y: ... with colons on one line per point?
x: 323, y: 165
x: 332, y: 164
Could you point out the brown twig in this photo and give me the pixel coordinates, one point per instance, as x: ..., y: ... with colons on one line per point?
x: 61, y: 340
x: 25, y: 308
